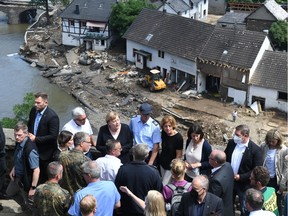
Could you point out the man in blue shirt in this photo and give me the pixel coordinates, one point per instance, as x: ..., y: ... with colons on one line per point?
x: 105, y: 192
x: 25, y: 172
x: 146, y: 130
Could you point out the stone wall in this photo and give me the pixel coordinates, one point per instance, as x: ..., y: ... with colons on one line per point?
x: 10, y: 140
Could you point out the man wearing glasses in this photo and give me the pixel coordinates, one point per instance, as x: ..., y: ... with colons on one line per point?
x: 79, y: 123
x: 146, y: 130
x: 71, y: 161
x: 110, y: 164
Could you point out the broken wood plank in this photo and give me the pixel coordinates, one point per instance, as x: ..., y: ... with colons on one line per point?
x: 67, y: 73
x: 83, y: 102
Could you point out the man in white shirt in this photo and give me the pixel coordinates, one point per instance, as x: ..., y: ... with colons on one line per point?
x: 243, y: 155
x: 254, y: 202
x: 79, y: 123
x: 110, y: 163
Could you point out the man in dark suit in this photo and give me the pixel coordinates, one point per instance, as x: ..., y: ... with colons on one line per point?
x: 43, y: 128
x: 243, y: 155
x: 221, y: 180
x: 200, y: 202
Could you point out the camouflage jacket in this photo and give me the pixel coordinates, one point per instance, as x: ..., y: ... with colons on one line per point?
x: 51, y: 199
x: 71, y: 161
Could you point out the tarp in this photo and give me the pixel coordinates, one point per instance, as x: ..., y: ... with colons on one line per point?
x: 255, y: 107
x: 93, y: 24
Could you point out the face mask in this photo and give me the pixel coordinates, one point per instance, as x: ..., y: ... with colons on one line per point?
x: 237, y: 139
x: 194, y: 193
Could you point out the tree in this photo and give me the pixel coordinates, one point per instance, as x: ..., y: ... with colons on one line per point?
x: 124, y: 13
x: 278, y: 34
x: 45, y: 4
x: 21, y: 112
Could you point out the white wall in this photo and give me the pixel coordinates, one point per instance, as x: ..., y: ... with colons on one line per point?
x: 238, y: 95
x: 167, y: 62
x: 72, y: 35
x: 270, y: 96
x: 68, y: 39
x: 198, y: 9
x: 201, y: 82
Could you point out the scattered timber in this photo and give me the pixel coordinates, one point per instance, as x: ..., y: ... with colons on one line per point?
x: 40, y: 65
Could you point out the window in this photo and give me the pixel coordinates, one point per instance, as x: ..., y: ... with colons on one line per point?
x: 138, y: 58
x: 102, y: 42
x: 83, y: 23
x: 95, y: 29
x: 71, y: 23
x: 160, y: 54
x: 282, y: 96
x: 134, y: 50
x: 149, y: 36
x: 205, y: 1
x: 204, y: 12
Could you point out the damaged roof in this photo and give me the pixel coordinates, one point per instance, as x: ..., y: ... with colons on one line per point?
x: 233, y: 46
x: 178, y: 5
x: 171, y: 33
x: 91, y: 10
x: 278, y: 12
x: 271, y: 72
x: 234, y: 17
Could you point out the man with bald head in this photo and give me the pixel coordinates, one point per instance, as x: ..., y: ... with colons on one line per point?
x: 200, y: 202
x: 222, y: 180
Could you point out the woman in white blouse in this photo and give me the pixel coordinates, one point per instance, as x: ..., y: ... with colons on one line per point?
x: 274, y: 152
x: 197, y: 153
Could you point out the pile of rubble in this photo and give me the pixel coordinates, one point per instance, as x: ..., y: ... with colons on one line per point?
x: 102, y: 82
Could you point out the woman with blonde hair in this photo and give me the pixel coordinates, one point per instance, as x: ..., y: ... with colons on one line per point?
x: 172, y: 146
x: 178, y: 169
x: 153, y: 205
x: 274, y: 152
x: 115, y: 130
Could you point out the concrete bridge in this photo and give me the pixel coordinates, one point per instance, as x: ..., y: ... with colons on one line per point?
x: 17, y: 11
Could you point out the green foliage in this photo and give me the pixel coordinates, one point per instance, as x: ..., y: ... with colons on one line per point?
x: 9, y: 122
x: 124, y: 13
x: 21, y: 112
x: 278, y: 34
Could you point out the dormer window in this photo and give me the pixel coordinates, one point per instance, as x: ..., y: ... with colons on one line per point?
x: 149, y: 36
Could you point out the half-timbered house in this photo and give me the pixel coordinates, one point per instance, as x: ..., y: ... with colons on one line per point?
x: 87, y: 22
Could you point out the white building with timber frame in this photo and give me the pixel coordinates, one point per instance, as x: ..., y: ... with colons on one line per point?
x: 87, y: 22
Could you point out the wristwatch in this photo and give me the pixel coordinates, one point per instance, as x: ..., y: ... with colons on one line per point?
x: 33, y: 187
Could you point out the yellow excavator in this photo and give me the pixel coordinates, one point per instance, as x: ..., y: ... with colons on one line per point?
x: 153, y: 81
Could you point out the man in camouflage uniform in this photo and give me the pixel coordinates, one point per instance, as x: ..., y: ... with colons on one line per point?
x: 50, y: 198
x: 72, y: 160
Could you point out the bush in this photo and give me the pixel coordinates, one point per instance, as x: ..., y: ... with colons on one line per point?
x: 21, y: 112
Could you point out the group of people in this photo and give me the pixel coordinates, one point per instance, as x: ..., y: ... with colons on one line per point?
x: 139, y: 168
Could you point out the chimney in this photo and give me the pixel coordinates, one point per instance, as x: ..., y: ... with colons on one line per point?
x: 77, y: 11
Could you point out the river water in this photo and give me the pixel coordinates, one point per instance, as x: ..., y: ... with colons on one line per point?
x: 17, y: 77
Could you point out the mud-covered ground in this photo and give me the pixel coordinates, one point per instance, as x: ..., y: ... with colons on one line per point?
x: 109, y: 84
